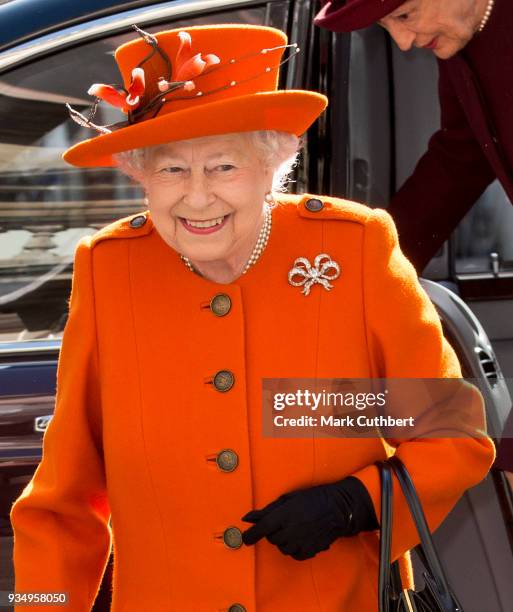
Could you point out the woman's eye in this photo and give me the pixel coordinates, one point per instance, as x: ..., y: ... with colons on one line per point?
x: 403, y: 16
x: 171, y: 169
x: 225, y: 167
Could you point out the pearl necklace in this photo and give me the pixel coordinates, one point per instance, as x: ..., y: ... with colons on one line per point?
x: 486, y: 16
x: 259, y: 247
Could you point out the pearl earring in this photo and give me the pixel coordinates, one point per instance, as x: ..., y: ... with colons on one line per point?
x: 269, y: 197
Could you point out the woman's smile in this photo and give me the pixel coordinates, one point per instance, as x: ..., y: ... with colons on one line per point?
x: 433, y: 44
x: 207, y: 226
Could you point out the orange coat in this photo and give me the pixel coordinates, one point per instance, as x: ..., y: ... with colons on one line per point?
x: 138, y: 421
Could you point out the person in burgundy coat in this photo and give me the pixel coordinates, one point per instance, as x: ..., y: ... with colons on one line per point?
x: 472, y: 40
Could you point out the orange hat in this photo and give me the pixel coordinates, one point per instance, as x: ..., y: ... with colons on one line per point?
x: 193, y: 82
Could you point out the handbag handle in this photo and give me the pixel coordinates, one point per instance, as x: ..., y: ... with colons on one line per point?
x: 385, y: 544
x: 389, y: 581
x: 431, y: 558
x: 428, y: 556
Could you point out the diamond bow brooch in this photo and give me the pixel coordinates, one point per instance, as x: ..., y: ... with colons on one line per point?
x: 303, y: 274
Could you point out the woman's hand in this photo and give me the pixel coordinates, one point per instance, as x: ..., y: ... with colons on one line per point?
x: 307, y: 521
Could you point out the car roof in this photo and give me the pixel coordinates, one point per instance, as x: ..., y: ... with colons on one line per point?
x: 25, y: 19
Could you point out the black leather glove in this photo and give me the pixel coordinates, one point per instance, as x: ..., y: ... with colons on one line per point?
x: 306, y: 521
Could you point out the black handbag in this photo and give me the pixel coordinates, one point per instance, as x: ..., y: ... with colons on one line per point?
x: 436, y: 596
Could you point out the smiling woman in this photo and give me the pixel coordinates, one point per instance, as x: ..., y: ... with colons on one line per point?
x: 216, y: 186
x: 177, y: 315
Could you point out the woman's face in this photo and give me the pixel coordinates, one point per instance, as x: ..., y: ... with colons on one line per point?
x: 206, y: 197
x: 444, y: 26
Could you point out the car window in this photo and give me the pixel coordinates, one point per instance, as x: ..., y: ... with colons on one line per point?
x: 46, y: 206
x: 484, y: 239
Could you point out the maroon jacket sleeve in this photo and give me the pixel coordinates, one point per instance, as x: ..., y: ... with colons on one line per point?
x: 447, y: 181
x: 504, y: 459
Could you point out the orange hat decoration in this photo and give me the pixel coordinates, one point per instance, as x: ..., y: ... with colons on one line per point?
x: 193, y: 82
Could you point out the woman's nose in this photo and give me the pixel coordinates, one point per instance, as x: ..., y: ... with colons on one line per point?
x: 198, y: 190
x: 403, y: 37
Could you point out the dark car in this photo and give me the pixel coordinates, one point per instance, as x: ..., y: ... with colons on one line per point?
x: 383, y: 107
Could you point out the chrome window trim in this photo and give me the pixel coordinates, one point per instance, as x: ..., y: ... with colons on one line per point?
x: 483, y: 276
x: 112, y: 23
x: 29, y: 347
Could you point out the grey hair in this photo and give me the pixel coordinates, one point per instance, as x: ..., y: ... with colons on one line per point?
x: 277, y: 150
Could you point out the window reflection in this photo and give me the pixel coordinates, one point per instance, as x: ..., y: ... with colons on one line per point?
x: 486, y: 229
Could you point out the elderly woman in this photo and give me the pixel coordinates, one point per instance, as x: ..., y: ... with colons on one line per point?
x: 176, y: 316
x: 474, y: 146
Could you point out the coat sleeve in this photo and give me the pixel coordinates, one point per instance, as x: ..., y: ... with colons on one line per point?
x: 445, y: 184
x: 405, y: 340
x: 62, y: 536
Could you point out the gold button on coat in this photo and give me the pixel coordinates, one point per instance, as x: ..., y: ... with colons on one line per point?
x: 138, y: 221
x: 314, y: 205
x: 227, y: 460
x: 224, y: 380
x: 232, y: 537
x: 220, y: 304
x: 237, y: 608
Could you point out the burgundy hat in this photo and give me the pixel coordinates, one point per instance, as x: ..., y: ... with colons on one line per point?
x: 340, y: 16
